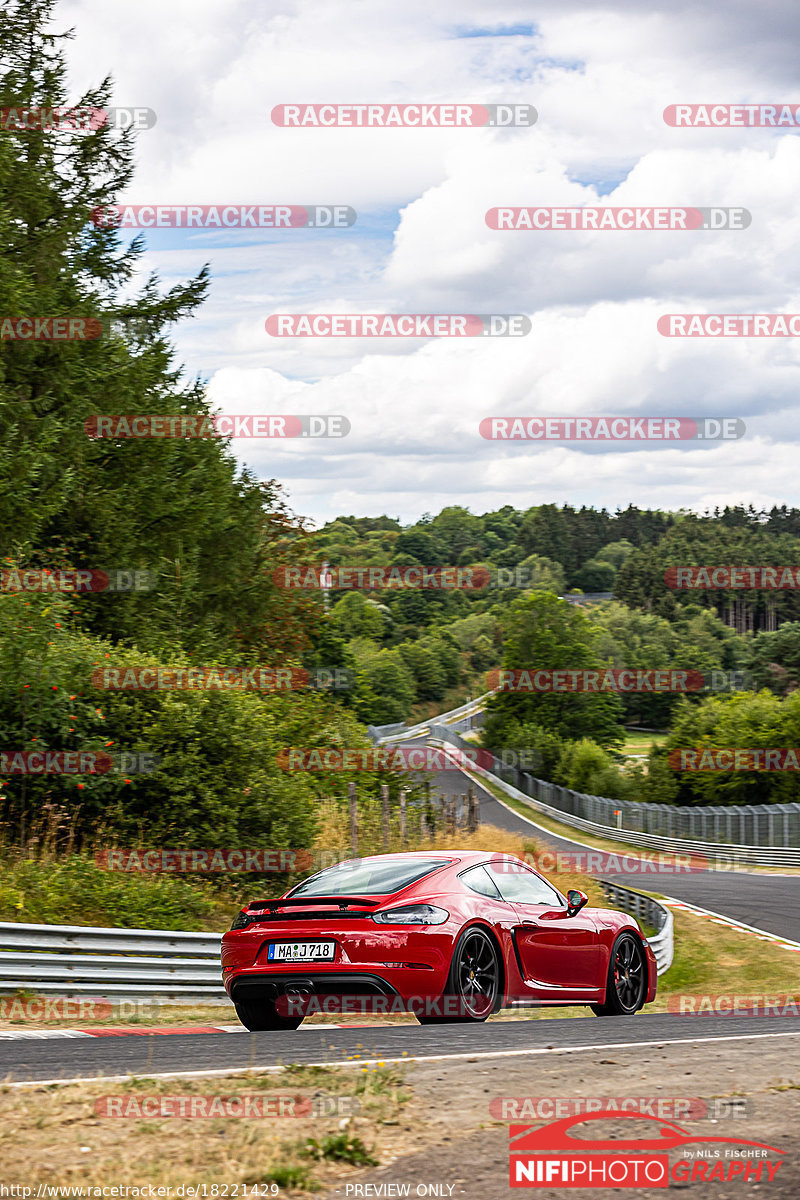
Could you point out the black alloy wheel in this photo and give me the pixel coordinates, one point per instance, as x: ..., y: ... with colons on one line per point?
x: 626, y: 986
x: 473, y: 985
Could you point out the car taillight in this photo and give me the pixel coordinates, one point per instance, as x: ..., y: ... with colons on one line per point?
x: 412, y: 914
x: 240, y: 921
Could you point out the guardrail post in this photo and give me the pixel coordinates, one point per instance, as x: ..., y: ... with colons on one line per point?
x: 403, y: 838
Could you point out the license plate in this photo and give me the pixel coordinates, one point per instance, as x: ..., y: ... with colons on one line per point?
x: 301, y: 951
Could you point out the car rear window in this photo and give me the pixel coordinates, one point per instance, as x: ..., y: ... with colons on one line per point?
x: 369, y: 877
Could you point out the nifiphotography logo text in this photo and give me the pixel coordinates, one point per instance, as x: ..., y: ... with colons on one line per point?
x: 552, y: 1156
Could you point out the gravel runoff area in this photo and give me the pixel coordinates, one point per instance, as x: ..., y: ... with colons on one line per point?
x: 462, y: 1148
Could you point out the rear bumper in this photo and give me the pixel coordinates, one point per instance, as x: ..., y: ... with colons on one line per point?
x: 393, y: 962
x: 267, y: 983
x: 261, y: 985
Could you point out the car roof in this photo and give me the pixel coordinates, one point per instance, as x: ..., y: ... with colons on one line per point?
x: 471, y: 856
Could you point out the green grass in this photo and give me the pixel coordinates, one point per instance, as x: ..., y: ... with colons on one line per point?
x: 285, y: 1176
x: 637, y: 742
x: 340, y: 1147
x: 75, y: 891
x: 715, y: 959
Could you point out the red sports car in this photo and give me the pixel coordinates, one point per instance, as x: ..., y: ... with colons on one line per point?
x: 449, y: 935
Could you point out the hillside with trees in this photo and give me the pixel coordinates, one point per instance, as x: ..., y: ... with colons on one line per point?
x: 410, y: 649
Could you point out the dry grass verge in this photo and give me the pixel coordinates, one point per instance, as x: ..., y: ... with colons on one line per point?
x: 55, y: 1135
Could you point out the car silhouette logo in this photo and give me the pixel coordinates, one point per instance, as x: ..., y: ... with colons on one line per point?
x: 527, y: 1139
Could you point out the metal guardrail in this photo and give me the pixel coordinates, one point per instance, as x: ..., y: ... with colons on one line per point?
x: 118, y: 964
x: 171, y: 966
x: 379, y: 732
x: 564, y: 802
x: 757, y: 832
x: 646, y: 909
x: 456, y: 716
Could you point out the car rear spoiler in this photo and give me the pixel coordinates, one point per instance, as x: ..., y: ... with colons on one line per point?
x: 309, y: 901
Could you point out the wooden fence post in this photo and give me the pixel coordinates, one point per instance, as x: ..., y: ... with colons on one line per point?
x: 403, y: 816
x: 385, y: 815
x: 474, y: 811
x: 353, y: 821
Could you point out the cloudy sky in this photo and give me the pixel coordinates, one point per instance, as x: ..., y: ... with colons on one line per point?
x: 599, y: 75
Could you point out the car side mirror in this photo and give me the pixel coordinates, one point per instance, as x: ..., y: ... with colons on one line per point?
x: 575, y: 901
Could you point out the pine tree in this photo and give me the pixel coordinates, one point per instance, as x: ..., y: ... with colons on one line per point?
x: 177, y: 506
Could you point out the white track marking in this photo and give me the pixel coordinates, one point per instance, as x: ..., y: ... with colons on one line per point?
x: 241, y: 1028
x: 721, y: 919
x: 10, y: 1035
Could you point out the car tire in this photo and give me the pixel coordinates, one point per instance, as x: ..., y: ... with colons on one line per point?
x: 475, y: 955
x: 624, y: 995
x: 259, y: 1016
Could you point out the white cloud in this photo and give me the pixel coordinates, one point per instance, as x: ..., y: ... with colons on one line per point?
x: 600, y: 77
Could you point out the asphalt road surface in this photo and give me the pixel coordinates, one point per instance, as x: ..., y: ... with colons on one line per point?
x: 153, y: 1055
x: 766, y: 901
